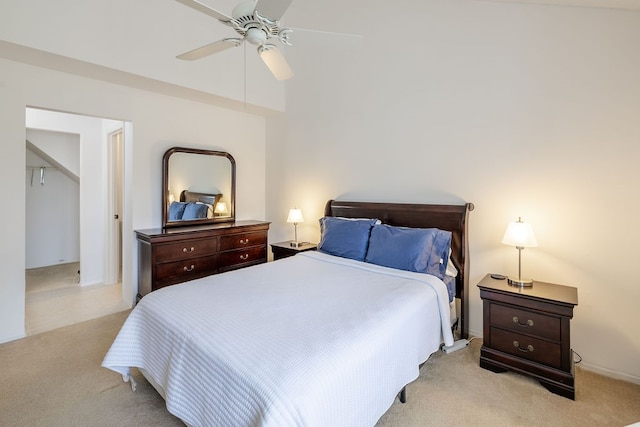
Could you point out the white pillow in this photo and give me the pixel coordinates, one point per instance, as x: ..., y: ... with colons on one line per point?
x: 452, y: 271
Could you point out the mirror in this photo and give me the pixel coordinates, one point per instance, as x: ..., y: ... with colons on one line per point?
x: 198, y: 187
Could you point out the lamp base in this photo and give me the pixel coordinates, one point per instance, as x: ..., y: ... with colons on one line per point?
x: 296, y: 244
x: 523, y: 283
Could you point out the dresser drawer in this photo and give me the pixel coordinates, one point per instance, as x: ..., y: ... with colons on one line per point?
x: 186, y: 249
x: 526, y: 347
x: 525, y: 321
x: 237, y: 241
x: 169, y: 273
x: 242, y: 256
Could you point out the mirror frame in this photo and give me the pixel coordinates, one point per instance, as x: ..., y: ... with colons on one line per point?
x: 165, y: 188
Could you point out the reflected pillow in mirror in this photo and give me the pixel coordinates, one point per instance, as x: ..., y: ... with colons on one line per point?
x: 209, y: 209
x: 176, y: 210
x: 423, y: 250
x: 195, y: 211
x: 345, y: 238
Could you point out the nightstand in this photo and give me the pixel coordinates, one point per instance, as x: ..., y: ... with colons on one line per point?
x: 527, y: 330
x: 284, y: 249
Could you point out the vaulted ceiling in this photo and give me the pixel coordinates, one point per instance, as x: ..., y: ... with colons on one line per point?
x: 135, y: 43
x: 611, y: 4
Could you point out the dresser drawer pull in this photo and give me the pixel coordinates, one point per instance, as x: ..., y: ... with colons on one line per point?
x: 524, y: 325
x: 529, y: 348
x: 244, y: 241
x: 244, y: 257
x: 185, y: 250
x: 185, y: 268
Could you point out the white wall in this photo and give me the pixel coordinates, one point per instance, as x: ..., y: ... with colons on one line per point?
x: 158, y: 122
x: 524, y: 110
x: 52, y: 210
x: 62, y: 147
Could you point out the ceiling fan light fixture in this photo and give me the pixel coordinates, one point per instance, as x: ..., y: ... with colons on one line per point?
x: 256, y: 36
x: 275, y: 61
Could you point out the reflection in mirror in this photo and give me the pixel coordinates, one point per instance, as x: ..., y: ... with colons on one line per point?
x: 198, y: 187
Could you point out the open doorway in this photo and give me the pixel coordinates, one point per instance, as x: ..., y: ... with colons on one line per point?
x: 73, y: 245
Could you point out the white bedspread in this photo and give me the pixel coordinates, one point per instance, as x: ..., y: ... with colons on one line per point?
x: 310, y: 340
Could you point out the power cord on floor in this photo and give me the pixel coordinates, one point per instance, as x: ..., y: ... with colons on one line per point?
x: 457, y: 345
x: 579, y: 357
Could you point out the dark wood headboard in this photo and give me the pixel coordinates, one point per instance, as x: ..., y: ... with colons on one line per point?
x: 452, y: 218
x: 190, y: 196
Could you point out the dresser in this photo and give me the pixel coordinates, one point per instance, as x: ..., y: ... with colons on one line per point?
x: 176, y: 255
x: 527, y: 330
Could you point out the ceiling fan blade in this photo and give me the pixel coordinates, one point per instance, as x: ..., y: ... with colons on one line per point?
x: 275, y: 61
x: 272, y: 9
x: 201, y: 7
x: 209, y: 49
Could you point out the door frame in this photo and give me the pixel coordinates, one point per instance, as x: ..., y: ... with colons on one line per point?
x: 114, y: 207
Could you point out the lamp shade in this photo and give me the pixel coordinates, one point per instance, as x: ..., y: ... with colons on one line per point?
x: 221, y: 208
x: 295, y: 216
x: 519, y: 234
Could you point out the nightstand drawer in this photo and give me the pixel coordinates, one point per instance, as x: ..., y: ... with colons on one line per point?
x: 242, y: 256
x: 186, y: 250
x: 536, y: 350
x: 525, y: 321
x: 243, y: 240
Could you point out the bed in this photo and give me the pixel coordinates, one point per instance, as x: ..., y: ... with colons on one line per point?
x: 311, y: 340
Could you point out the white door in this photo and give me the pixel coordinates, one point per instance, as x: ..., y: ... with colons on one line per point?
x: 113, y: 267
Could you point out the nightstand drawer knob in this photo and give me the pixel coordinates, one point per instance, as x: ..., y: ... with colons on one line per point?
x: 524, y: 325
x: 189, y: 268
x: 244, y: 257
x: 185, y: 250
x: 244, y: 241
x: 529, y: 348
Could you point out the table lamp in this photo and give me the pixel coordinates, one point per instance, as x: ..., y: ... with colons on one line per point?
x: 221, y: 208
x: 520, y: 234
x: 295, y: 217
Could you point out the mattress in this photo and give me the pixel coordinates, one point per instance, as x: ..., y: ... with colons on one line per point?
x: 310, y: 340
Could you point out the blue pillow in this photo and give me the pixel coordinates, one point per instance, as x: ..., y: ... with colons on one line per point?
x: 423, y: 250
x: 176, y: 210
x: 195, y: 211
x: 345, y: 238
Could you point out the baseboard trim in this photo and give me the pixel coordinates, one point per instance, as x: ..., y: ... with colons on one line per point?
x: 610, y: 373
x: 474, y: 333
x: 12, y: 338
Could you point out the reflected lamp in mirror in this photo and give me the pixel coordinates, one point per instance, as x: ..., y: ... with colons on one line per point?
x: 520, y: 234
x: 221, y: 209
x: 295, y: 217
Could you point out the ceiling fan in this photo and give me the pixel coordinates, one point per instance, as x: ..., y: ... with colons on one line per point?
x: 257, y: 22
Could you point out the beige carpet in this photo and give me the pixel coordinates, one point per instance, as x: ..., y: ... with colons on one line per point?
x: 57, y: 276
x: 55, y: 379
